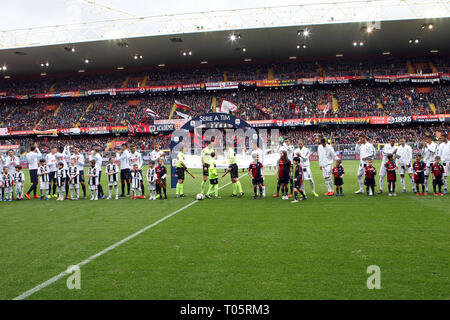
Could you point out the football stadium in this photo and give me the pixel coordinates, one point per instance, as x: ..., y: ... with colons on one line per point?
x: 289, y: 150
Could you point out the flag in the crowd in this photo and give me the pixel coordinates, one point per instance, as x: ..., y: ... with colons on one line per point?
x: 182, y: 106
x: 151, y: 113
x: 183, y: 115
x: 326, y: 109
x: 227, y: 107
x: 178, y: 106
x: 214, y: 104
x: 334, y: 103
x: 432, y: 107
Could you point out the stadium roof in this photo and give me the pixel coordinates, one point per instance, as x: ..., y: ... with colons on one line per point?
x: 265, y: 33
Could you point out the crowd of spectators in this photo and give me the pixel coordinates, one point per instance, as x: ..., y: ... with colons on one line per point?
x: 253, y: 103
x: 159, y: 76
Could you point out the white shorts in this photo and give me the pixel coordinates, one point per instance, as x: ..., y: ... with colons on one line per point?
x: 446, y: 168
x: 152, y: 186
x: 383, y: 171
x: 361, y: 170
x: 112, y: 184
x: 427, y: 170
x: 74, y: 185
x: 93, y: 187
x: 404, y: 169
x: 43, y: 186
x: 326, y: 171
x: 307, y: 174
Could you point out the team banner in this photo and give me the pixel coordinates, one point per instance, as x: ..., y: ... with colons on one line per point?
x: 221, y: 85
x: 431, y: 118
x: 390, y: 119
x: 4, y: 132
x: 414, y: 78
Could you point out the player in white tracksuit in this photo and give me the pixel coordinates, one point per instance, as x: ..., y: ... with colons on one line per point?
x: 428, y: 154
x: 304, y: 153
x: 326, y: 157
x: 444, y: 153
x: 388, y: 149
x: 404, y: 158
x: 366, y: 152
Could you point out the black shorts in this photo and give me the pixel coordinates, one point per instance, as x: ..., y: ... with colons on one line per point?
x: 438, y: 182
x: 180, y: 173
x: 420, y: 179
x: 125, y: 174
x: 284, y: 180
x: 206, y: 169
x: 338, y: 181
x: 257, y: 181
x: 81, y: 175
x: 33, y: 176
x: 369, y: 182
x: 213, y: 181
x: 234, y: 171
x: 298, y: 184
x: 51, y: 176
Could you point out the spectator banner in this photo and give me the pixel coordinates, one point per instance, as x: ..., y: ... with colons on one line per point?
x: 432, y: 118
x: 422, y: 78
x: 161, y: 88
x: 6, y: 147
x: 191, y: 87
x: 222, y: 85
x: 390, y: 119
x: 4, y: 132
x: 130, y: 90
x: 2, y: 94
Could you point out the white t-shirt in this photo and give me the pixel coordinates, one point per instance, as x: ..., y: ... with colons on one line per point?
x: 366, y: 150
x: 326, y: 155
x: 304, y: 155
x: 33, y: 159
x: 11, y: 163
x: 444, y: 151
x: 404, y: 155
x: 387, y: 150
x: 123, y: 158
x: 429, y: 153
x: 51, y: 161
x: 135, y: 158
x: 80, y: 161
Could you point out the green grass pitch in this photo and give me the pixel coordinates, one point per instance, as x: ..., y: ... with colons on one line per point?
x: 231, y: 248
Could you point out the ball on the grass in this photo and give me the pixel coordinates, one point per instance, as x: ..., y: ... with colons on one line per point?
x: 199, y: 196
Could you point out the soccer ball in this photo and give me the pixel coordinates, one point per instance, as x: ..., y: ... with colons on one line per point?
x: 200, y: 196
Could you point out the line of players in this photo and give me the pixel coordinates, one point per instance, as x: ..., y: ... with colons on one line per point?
x: 61, y: 172
x: 293, y: 169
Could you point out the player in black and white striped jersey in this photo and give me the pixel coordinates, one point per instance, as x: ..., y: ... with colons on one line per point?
x: 73, y: 177
x: 112, y: 170
x: 93, y: 175
x: 136, y: 182
x: 151, y: 179
x: 7, y: 184
x: 43, y: 174
x: 19, y: 179
x: 60, y: 177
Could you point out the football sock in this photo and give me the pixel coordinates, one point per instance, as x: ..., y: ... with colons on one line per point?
x: 202, y: 188
x: 296, y: 195
x: 239, y: 186
x: 123, y: 186
x: 255, y: 190
x: 182, y: 188
x: 209, y: 189
x: 261, y: 191
x: 360, y: 181
x: 83, y: 186
x: 216, y: 190
x: 128, y: 187
x: 402, y: 181
x: 313, y: 187
x: 278, y: 186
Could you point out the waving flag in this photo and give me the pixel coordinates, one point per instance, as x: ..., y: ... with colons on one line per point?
x: 183, y: 115
x: 151, y: 113
x: 227, y: 106
x: 178, y: 106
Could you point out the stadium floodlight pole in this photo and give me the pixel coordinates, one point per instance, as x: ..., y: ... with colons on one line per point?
x: 331, y: 12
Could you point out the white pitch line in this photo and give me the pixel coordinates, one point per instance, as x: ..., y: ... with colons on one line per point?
x: 115, y: 245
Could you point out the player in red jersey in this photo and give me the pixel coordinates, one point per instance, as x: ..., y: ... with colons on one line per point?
x: 161, y: 174
x: 391, y: 169
x: 419, y: 168
x: 283, y: 173
x: 298, y: 180
x: 370, y: 173
x: 338, y: 174
x: 256, y: 172
x: 438, y: 172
